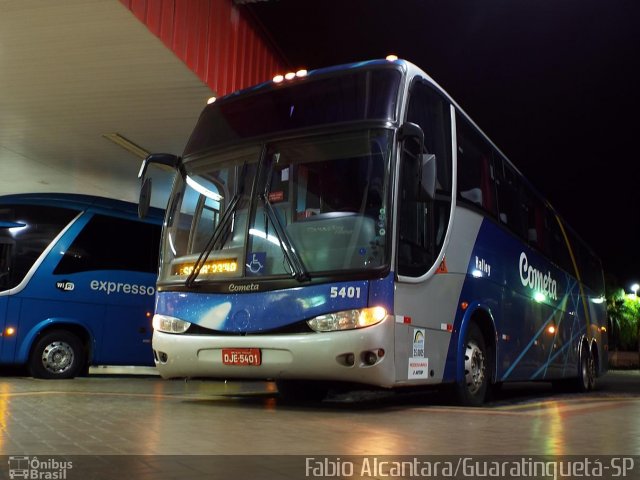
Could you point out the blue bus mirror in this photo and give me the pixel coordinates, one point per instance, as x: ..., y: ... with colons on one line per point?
x: 145, y: 198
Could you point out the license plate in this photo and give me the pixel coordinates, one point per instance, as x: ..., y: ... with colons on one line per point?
x: 241, y: 356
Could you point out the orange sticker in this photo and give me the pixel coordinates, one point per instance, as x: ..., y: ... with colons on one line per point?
x: 443, y: 267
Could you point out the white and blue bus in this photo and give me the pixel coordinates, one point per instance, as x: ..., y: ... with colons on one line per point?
x: 352, y: 224
x: 77, y: 283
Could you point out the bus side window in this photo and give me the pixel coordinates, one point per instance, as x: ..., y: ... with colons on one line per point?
x: 21, y: 247
x: 422, y: 221
x: 476, y: 181
x: 111, y: 243
x: 512, y: 210
x: 558, y: 245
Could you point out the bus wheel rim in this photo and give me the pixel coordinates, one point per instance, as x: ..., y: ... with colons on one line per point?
x: 474, y: 368
x: 57, y: 357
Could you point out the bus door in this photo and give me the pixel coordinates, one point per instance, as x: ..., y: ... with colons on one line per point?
x: 6, y: 247
x: 126, y: 338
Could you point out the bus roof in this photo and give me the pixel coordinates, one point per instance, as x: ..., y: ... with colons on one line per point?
x: 79, y: 202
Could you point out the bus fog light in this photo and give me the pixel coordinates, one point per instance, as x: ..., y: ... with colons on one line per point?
x: 346, y: 359
x: 369, y: 358
x: 167, y: 324
x: 348, y: 319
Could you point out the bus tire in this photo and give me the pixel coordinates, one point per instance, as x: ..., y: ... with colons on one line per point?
x: 57, y: 355
x: 301, y: 390
x: 472, y: 390
x: 586, y: 370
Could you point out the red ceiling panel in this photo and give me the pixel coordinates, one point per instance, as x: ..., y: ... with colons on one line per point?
x: 214, y: 38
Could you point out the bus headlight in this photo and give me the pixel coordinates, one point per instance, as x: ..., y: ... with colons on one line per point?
x: 164, y: 323
x: 347, y: 319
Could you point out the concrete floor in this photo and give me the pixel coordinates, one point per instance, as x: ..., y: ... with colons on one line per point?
x: 147, y: 416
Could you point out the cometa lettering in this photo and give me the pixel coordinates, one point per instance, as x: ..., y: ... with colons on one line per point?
x: 252, y: 287
x: 536, y: 280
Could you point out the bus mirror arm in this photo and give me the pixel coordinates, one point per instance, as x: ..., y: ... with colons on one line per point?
x: 166, y: 159
x: 412, y: 130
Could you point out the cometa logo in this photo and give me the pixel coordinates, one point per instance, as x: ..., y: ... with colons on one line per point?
x: 536, y: 280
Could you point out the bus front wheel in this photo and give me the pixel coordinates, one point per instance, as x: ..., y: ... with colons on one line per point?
x: 57, y: 354
x: 472, y: 390
x: 302, y: 391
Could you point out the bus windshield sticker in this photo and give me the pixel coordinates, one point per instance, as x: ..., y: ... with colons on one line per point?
x: 256, y: 262
x: 418, y: 342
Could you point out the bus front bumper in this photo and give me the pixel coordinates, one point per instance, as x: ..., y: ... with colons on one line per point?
x: 360, y: 355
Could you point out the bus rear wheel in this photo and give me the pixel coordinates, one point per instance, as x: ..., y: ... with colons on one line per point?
x: 472, y: 390
x: 57, y: 355
x: 587, y: 370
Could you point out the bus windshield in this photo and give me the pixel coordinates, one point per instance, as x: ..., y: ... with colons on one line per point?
x: 310, y: 206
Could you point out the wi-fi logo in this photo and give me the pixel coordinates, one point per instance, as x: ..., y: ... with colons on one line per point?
x: 65, y: 285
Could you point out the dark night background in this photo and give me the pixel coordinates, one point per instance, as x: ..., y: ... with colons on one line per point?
x: 554, y: 83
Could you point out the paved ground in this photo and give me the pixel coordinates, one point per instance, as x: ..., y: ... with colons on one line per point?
x: 115, y: 415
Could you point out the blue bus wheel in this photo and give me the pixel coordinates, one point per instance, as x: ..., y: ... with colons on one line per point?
x: 57, y: 354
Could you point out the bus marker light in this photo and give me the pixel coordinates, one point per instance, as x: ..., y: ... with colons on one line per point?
x: 447, y: 327
x: 551, y: 329
x: 10, y: 331
x: 391, y: 58
x: 464, y: 305
x: 301, y: 73
x: 290, y: 76
x: 278, y: 79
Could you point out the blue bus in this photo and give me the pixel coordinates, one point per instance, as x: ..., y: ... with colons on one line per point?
x: 352, y: 225
x: 77, y: 283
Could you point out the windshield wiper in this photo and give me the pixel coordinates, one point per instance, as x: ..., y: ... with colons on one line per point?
x: 220, y: 229
x: 300, y: 273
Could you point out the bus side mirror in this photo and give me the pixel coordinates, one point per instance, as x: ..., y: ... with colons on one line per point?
x: 427, y: 161
x: 428, y: 176
x: 166, y: 159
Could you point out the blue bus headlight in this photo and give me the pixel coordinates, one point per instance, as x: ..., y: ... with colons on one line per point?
x: 347, y: 319
x: 165, y: 323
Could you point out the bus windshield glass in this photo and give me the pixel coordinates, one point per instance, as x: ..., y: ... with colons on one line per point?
x: 352, y: 96
x: 310, y: 206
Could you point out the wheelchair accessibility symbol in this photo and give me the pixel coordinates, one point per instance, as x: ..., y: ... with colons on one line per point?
x: 256, y: 262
